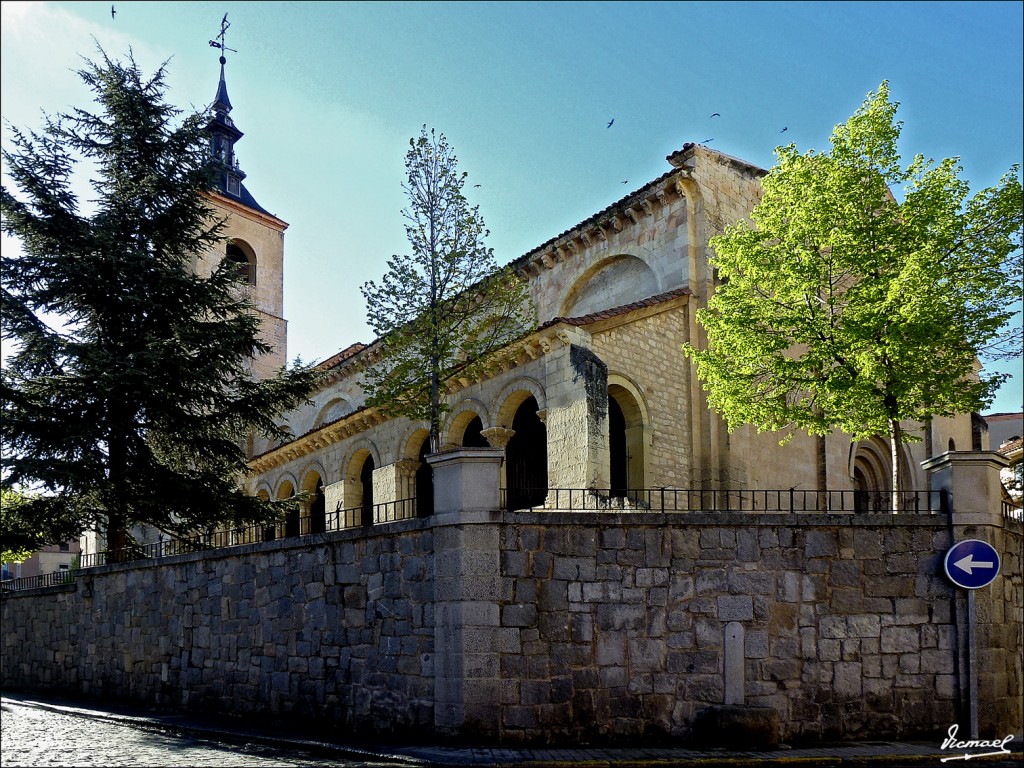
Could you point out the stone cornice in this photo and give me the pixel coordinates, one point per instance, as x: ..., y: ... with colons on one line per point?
x: 628, y: 212
x: 246, y: 212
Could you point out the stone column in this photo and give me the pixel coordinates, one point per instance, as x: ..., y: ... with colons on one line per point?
x: 577, y: 417
x: 467, y: 628
x: 989, y: 618
x: 395, y: 482
x: 498, y: 437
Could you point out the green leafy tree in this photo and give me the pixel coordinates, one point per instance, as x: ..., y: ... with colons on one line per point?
x: 443, y: 309
x: 20, y: 538
x: 127, y: 396
x: 846, y: 308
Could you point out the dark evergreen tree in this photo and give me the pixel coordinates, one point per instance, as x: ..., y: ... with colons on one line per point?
x: 126, y: 391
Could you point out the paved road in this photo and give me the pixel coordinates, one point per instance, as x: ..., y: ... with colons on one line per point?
x: 38, y: 731
x: 36, y: 734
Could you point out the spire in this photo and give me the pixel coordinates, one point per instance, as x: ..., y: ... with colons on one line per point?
x: 222, y: 102
x: 224, y: 134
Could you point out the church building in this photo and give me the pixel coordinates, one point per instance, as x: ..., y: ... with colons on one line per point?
x: 598, y: 401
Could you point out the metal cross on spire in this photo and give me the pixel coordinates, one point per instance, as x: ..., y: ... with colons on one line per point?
x: 218, y: 42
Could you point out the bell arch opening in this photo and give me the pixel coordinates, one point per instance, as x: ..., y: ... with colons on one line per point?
x: 241, y: 255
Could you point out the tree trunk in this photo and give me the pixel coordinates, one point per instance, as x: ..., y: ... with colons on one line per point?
x: 895, y: 441
x: 821, y: 460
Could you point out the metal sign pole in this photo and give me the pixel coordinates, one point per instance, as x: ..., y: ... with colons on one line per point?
x: 972, y: 670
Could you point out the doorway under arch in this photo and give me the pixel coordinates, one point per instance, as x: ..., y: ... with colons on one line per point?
x: 424, y: 482
x: 291, y: 520
x: 625, y: 441
x: 314, y: 485
x: 526, y: 458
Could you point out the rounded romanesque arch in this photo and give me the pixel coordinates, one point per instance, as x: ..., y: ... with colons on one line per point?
x: 526, y: 455
x: 357, y: 469
x: 420, y: 486
x: 507, y: 402
x: 465, y: 423
x: 871, y: 472
x: 611, y: 282
x: 332, y: 411
x: 314, y: 506
x: 243, y: 257
x: 285, y: 490
x: 628, y: 434
x: 355, y: 454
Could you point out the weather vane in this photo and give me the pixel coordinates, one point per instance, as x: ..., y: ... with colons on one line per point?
x: 224, y: 24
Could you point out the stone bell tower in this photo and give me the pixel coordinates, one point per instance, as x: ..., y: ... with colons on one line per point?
x: 255, y: 237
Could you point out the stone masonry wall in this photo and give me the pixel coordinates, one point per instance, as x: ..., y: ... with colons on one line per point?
x: 547, y: 627
x: 849, y: 625
x: 337, y: 630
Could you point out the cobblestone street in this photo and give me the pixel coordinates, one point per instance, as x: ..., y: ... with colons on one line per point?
x: 36, y: 734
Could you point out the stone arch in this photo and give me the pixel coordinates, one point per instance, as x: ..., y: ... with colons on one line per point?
x: 243, y: 256
x: 507, y: 402
x: 314, y: 506
x: 629, y: 434
x: 286, y: 488
x: 357, y: 472
x: 414, y: 451
x: 356, y: 455
x: 526, y: 455
x: 332, y: 411
x: 871, y: 472
x: 469, y: 415
x: 265, y: 493
x: 611, y: 282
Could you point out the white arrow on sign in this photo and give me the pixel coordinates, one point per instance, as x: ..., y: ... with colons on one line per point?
x: 968, y: 563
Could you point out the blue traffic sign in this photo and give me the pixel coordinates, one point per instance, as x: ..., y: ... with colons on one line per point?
x: 972, y: 564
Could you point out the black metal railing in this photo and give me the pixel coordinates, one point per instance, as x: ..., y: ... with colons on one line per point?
x: 43, y: 580
x: 1012, y: 511
x: 762, y: 501
x: 299, y: 526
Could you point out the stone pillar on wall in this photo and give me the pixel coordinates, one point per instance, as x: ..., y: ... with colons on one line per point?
x: 971, y: 482
x: 467, y: 631
x: 994, y: 614
x: 577, y: 415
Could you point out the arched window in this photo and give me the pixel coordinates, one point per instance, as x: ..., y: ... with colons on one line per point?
x: 245, y: 262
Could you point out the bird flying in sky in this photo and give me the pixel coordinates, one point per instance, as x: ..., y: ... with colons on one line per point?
x: 113, y: 13
x: 610, y: 122
x: 707, y: 141
x: 784, y: 129
x: 715, y: 114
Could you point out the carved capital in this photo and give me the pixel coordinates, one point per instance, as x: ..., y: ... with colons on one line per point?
x: 542, y: 414
x: 498, y: 437
x: 406, y: 467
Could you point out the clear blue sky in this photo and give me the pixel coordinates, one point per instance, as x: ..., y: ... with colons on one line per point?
x: 329, y: 94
